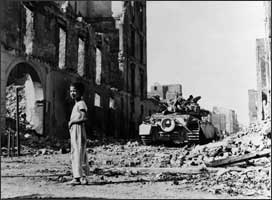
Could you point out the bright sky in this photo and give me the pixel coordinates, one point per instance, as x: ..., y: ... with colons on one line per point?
x: 208, y: 47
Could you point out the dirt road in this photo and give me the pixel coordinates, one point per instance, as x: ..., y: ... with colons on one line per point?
x: 131, y: 170
x: 44, y: 176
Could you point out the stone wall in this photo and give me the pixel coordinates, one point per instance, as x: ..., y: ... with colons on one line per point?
x: 31, y: 36
x: 38, y: 24
x: 227, y: 118
x: 122, y: 70
x: 252, y: 106
x: 166, y: 91
x: 268, y: 51
x: 263, y: 80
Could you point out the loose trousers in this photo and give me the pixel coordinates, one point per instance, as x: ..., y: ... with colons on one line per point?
x: 79, y: 158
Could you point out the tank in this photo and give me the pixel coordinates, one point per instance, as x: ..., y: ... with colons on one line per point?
x: 178, y: 125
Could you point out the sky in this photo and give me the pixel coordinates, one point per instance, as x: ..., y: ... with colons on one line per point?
x: 207, y: 47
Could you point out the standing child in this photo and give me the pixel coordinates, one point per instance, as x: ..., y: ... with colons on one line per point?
x: 77, y: 130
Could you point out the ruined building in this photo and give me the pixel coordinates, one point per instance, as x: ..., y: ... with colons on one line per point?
x: 225, y: 119
x: 263, y: 80
x: 219, y: 121
x: 263, y: 68
x: 165, y: 91
x: 252, y: 106
x: 260, y: 100
x: 47, y: 45
x: 267, y: 45
x: 267, y: 5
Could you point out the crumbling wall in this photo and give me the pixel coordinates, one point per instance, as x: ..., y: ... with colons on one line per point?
x: 252, y: 106
x: 45, y: 37
x: 133, y: 33
x: 39, y: 44
x: 20, y: 73
x: 262, y: 79
x: 11, y: 102
x: 39, y: 47
x: 72, y: 47
x: 268, y: 51
x: 11, y: 25
x: 99, y: 9
x: 34, y: 111
x: 228, y: 119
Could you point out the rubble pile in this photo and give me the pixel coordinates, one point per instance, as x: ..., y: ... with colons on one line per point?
x: 233, y: 181
x: 32, y: 144
x: 249, y: 181
x: 45, y: 145
x: 11, y: 102
x: 251, y: 140
x: 133, y: 154
x: 246, y: 177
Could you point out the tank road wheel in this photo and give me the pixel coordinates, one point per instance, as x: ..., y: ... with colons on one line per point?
x: 146, y: 139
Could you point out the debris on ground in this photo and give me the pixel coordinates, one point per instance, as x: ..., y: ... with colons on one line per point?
x: 250, y: 147
x: 244, y: 161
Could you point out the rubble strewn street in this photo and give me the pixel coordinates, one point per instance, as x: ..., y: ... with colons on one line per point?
x: 135, y: 100
x: 129, y: 162
x: 212, y: 168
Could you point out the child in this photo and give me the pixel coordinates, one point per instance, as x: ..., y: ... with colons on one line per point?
x: 77, y: 130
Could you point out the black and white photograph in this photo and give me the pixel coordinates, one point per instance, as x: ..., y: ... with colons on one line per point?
x: 135, y: 99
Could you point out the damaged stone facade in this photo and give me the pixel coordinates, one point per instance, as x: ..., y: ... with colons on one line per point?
x: 33, y: 45
x: 263, y: 67
x: 132, y: 30
x: 267, y: 5
x: 252, y: 106
x: 121, y: 41
x: 60, y: 42
x: 166, y: 91
x: 263, y: 80
x: 225, y: 119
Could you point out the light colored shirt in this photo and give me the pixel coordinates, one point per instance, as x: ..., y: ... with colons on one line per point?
x: 80, y: 105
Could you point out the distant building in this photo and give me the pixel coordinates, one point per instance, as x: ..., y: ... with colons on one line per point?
x: 219, y: 121
x: 225, y: 119
x: 263, y: 80
x: 267, y: 5
x: 263, y: 54
x: 165, y: 91
x: 252, y: 105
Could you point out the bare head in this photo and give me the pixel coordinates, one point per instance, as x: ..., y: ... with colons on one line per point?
x: 76, y: 90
